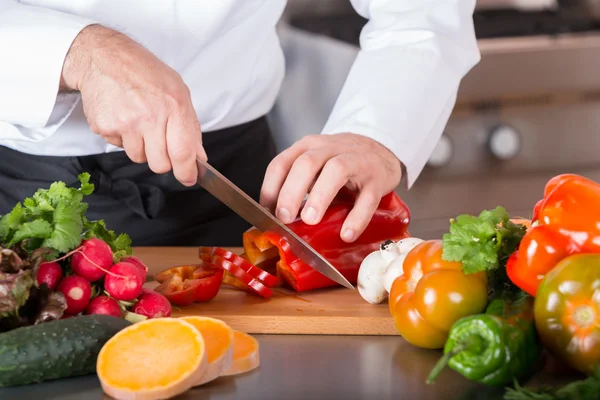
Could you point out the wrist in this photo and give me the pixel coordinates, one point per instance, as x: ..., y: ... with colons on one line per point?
x: 78, y: 64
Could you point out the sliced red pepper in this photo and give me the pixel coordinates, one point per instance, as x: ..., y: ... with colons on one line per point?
x: 254, y: 271
x: 186, y: 284
x: 390, y: 221
x: 247, y: 279
x: 179, y: 291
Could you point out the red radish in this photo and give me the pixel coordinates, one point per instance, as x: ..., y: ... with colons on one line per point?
x: 49, y: 273
x: 152, y: 305
x: 138, y: 263
x: 104, y: 305
x: 77, y: 291
x: 124, y: 281
x: 92, y: 260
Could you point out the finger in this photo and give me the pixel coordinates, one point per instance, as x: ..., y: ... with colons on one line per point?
x: 277, y: 171
x: 335, y: 174
x: 200, y: 152
x: 182, y: 146
x: 301, y: 177
x: 133, y: 144
x: 155, y: 141
x: 359, y: 217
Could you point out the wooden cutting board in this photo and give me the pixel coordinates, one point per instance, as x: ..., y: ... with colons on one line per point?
x: 334, y: 311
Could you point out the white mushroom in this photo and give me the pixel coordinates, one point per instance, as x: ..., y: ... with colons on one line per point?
x: 396, y: 267
x: 370, y: 278
x: 380, y: 268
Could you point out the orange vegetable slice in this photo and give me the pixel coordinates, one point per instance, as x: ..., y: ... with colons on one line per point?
x: 219, y: 339
x: 245, y: 354
x: 154, y: 359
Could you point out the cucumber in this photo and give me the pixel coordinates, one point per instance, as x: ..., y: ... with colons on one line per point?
x: 54, y: 350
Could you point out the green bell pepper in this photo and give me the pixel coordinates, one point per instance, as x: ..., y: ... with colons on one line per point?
x: 496, y: 347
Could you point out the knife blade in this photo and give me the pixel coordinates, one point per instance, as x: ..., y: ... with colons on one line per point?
x: 259, y: 217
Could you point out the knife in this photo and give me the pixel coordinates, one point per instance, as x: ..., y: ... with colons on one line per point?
x: 259, y: 217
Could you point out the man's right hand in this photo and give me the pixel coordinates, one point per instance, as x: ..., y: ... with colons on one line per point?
x: 135, y: 101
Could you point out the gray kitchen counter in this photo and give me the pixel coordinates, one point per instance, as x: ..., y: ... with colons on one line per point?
x: 311, y: 367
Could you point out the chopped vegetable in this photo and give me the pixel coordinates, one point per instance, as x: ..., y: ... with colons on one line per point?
x: 567, y: 223
x: 154, y: 359
x: 567, y: 311
x: 390, y: 221
x: 152, y: 304
x: 93, y: 259
x: 246, y: 355
x: 206, y: 253
x: 54, y: 350
x: 104, y: 305
x: 246, y: 280
x: 77, y: 291
x: 218, y: 338
x: 49, y: 273
x: 186, y: 284
x: 497, y: 347
x: 432, y: 294
x: 179, y: 291
x: 124, y: 281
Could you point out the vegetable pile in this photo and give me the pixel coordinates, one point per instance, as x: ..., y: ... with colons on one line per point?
x: 56, y: 264
x: 497, y: 293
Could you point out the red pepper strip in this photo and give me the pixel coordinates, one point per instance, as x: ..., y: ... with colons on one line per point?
x: 568, y: 218
x: 265, y: 277
x: 253, y: 283
x: 390, y: 221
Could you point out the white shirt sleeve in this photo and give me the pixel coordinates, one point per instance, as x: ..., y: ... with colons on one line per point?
x: 34, y: 42
x: 403, y: 84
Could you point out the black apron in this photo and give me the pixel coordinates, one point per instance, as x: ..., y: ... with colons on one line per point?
x: 155, y: 210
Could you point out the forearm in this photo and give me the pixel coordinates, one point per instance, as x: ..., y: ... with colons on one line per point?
x: 403, y: 85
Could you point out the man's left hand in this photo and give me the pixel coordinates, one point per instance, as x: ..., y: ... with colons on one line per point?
x: 320, y: 165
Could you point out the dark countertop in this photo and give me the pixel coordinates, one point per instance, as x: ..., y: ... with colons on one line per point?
x: 311, y: 367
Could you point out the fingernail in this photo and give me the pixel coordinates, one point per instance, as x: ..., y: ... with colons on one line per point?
x: 283, y: 215
x: 348, y: 234
x: 309, y: 215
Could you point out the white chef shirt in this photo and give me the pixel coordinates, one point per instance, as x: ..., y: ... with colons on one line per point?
x: 400, y: 91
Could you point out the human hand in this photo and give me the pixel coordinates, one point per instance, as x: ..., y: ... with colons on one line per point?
x: 135, y: 101
x: 320, y: 165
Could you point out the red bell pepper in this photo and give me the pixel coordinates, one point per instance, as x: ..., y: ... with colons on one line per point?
x: 390, y: 221
x: 265, y: 277
x: 188, y: 284
x: 565, y: 222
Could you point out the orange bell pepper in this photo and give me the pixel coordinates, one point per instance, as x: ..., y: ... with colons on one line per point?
x: 568, y: 222
x: 432, y: 294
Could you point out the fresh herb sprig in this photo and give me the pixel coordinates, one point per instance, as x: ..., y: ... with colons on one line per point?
x: 585, y: 389
x: 55, y: 219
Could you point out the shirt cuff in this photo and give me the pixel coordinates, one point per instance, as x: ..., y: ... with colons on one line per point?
x: 34, y: 43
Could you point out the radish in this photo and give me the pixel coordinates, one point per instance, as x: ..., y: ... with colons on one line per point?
x: 104, y: 305
x: 77, y: 291
x: 92, y: 259
x: 49, y: 273
x: 124, y: 281
x: 138, y: 263
x: 152, y: 304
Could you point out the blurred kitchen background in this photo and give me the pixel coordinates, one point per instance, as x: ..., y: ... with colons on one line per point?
x: 528, y: 111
